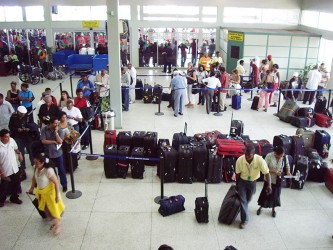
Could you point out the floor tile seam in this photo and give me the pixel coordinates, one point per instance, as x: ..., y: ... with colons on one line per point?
x: 215, y: 228
x: 33, y: 210
x: 284, y: 243
x: 91, y: 211
x: 315, y: 197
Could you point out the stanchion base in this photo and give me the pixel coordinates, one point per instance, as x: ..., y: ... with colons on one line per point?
x: 158, y: 198
x: 275, y: 114
x: 91, y: 157
x: 73, y: 195
x: 250, y: 99
x: 218, y: 114
x: 159, y: 113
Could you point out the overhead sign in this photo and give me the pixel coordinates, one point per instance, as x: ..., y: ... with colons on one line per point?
x: 90, y: 24
x: 235, y: 36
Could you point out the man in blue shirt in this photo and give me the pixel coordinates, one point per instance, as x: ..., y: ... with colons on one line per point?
x: 86, y: 85
x: 178, y: 85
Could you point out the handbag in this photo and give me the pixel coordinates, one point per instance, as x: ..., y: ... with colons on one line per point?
x: 73, y: 136
x: 87, y: 113
x: 195, y: 88
x: 171, y: 205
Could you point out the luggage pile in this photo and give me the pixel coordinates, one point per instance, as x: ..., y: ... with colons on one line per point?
x: 152, y: 94
x: 306, y: 116
x: 125, y: 151
x: 305, y: 152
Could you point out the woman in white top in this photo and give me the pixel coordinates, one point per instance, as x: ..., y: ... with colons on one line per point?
x: 47, y: 191
x: 211, y: 83
x: 201, y: 74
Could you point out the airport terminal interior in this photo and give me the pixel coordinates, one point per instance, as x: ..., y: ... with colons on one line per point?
x: 121, y: 213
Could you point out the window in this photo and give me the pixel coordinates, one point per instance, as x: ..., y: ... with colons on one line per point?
x: 124, y: 12
x: 209, y: 11
x: 241, y: 15
x: 171, y: 10
x: 310, y: 18
x: 159, y: 18
x: 98, y: 12
x: 283, y: 16
x: 325, y: 20
x: 34, y: 13
x: 2, y: 14
x: 13, y: 14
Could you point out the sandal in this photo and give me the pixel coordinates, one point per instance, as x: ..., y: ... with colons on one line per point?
x: 52, y: 226
x: 56, y: 230
x: 259, y: 211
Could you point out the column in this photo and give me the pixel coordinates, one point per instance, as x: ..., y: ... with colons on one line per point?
x: 114, y: 60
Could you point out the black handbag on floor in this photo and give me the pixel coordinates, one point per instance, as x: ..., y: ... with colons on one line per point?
x: 171, y: 205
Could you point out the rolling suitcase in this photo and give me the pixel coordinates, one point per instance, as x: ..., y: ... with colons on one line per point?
x: 214, y: 173
x: 322, y: 142
x: 110, y: 164
x: 300, y: 172
x: 202, y: 208
x: 229, y: 169
x: 180, y: 138
x: 329, y: 179
x: 170, y: 163
x: 147, y: 93
x: 297, y: 146
x: 284, y: 141
x: 308, y: 137
x: 305, y: 112
x: 289, y: 108
x: 302, y: 122
x: 211, y: 138
x: 320, y: 105
x: 230, y: 206
x: 138, y: 90
x: 255, y: 103
x: 286, y: 182
x: 137, y: 165
x: 185, y: 164
x: 123, y: 163
x: 163, y: 142
x: 150, y: 145
x: 322, y: 120
x: 236, y: 128
x: 200, y: 161
x: 227, y: 147
x: 236, y: 102
x: 124, y: 138
x: 317, y: 170
x: 138, y: 138
x: 110, y: 137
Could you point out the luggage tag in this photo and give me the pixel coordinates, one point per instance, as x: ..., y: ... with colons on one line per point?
x: 249, y: 178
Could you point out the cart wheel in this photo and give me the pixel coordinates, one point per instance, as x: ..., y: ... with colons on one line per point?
x: 24, y: 77
x: 35, y: 79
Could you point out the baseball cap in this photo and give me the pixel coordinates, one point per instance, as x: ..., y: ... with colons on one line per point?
x: 269, y: 56
x: 296, y: 74
x: 22, y: 109
x: 176, y: 72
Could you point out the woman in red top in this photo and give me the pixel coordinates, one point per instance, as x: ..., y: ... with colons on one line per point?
x: 81, y: 102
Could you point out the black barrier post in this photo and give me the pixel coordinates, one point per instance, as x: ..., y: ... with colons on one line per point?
x: 74, y: 194
x: 60, y: 85
x: 279, y: 101
x: 90, y: 157
x: 70, y: 80
x: 218, y: 103
x: 159, y: 113
x: 329, y: 98
x: 158, y: 198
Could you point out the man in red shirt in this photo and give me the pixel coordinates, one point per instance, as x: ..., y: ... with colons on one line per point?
x: 224, y: 79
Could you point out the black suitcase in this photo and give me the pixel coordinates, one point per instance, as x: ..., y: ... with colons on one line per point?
x: 214, y: 173
x: 320, y: 105
x: 123, y: 163
x: 297, y: 146
x: 180, y: 138
x: 138, y: 90
x: 284, y: 141
x: 137, y: 165
x: 157, y: 94
x: 300, y: 172
x: 200, y: 161
x: 317, y: 172
x: 202, y: 208
x: 163, y: 142
x: 185, y: 164
x: 286, y: 182
x: 170, y: 163
x: 255, y: 103
x: 305, y: 112
x: 147, y: 93
x: 172, y: 205
x: 236, y: 128
x: 302, y: 122
x: 124, y: 138
x: 229, y: 169
x: 230, y: 206
x: 137, y: 139
x: 322, y: 142
x: 110, y: 164
x: 150, y: 145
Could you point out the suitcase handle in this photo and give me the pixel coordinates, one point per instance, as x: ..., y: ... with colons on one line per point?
x: 206, y: 188
x: 185, y: 128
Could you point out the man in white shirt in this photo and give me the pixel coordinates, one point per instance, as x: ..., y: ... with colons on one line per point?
x: 74, y: 115
x: 6, y: 110
x: 211, y: 83
x: 102, y: 82
x: 314, y: 78
x: 125, y: 83
x: 325, y: 76
x: 132, y: 72
x: 9, y: 171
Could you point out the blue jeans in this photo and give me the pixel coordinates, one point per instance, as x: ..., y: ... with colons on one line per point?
x: 22, y: 144
x: 246, y: 189
x: 125, y: 96
x: 59, y: 162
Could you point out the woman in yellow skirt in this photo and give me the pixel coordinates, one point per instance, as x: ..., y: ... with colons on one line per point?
x: 47, y: 191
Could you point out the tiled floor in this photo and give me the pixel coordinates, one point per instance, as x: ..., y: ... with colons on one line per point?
x: 121, y: 214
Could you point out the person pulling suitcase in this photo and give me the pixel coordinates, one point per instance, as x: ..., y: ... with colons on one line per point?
x: 248, y: 168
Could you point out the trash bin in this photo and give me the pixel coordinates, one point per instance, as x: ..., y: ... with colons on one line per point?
x: 108, y: 117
